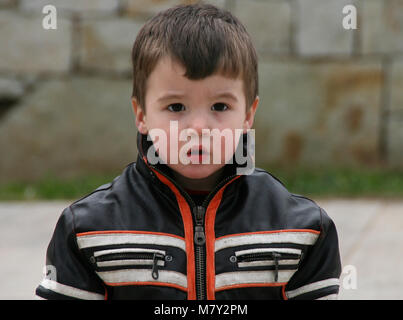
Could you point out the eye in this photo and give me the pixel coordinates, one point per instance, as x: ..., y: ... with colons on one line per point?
x: 219, y: 107
x: 176, y: 107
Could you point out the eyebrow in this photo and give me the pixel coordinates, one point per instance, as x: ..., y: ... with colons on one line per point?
x: 173, y: 96
x: 227, y: 95
x: 170, y: 96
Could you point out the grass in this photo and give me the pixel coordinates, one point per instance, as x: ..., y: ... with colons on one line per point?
x: 51, y: 188
x: 342, y: 182
x: 324, y: 182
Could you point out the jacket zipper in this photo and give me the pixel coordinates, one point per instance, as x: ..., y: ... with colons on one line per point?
x: 200, y: 240
x: 200, y: 252
x: 199, y: 232
x: 262, y: 256
x: 155, y: 257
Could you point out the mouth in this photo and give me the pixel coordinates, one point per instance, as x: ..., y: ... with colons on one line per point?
x: 197, y: 152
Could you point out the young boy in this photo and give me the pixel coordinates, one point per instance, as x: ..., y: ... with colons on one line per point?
x: 185, y: 226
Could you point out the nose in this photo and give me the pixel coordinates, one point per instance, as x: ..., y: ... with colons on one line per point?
x: 198, y: 121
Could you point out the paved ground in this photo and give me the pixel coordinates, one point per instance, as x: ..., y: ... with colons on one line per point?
x: 370, y: 233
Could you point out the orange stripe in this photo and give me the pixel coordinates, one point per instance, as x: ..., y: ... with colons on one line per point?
x: 106, y: 293
x: 283, y: 292
x: 145, y: 283
x: 272, y: 231
x: 188, y: 225
x: 128, y: 231
x: 210, y: 240
x: 252, y: 285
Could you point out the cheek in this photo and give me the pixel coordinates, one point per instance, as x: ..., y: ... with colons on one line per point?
x: 224, y: 146
x: 159, y: 134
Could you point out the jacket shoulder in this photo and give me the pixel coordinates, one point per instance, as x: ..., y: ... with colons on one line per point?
x: 294, y: 210
x: 94, y: 211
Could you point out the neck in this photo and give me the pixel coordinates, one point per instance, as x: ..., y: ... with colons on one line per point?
x: 204, y: 184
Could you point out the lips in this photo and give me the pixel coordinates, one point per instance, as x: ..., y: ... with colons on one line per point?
x: 196, y: 151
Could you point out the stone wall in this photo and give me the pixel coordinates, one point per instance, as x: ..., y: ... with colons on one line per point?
x: 329, y: 96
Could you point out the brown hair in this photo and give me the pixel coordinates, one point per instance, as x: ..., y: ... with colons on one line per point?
x: 204, y: 39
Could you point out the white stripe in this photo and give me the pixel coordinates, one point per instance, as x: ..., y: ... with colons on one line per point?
x: 333, y: 296
x: 260, y: 250
x: 93, y: 240
x: 143, y: 275
x: 70, y: 291
x: 243, y: 277
x: 312, y: 287
x: 305, y: 238
x: 129, y: 250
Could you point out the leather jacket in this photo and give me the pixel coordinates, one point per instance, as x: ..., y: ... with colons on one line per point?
x: 142, y: 236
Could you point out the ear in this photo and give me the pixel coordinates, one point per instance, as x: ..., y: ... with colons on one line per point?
x: 140, y: 117
x: 250, y: 115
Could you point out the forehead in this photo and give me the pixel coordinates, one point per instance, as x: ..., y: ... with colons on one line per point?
x: 169, y: 75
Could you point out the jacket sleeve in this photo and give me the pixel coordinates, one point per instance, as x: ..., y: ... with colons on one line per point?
x: 319, y: 272
x: 68, y: 274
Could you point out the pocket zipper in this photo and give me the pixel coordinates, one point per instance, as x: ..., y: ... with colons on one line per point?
x: 266, y: 256
x: 153, y: 257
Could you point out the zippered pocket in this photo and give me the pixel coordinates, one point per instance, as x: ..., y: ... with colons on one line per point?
x: 129, y: 257
x: 268, y: 258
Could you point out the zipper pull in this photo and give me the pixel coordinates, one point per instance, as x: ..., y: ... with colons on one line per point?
x: 275, y: 257
x: 154, y: 271
x: 200, y: 237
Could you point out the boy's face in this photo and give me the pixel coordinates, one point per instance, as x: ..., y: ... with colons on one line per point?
x: 198, y: 107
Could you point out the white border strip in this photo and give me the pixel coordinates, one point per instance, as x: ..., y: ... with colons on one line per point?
x: 70, y: 291
x: 129, y: 262
x: 244, y: 277
x: 127, y: 250
x: 143, y: 275
x: 94, y: 240
x: 312, y: 287
x: 303, y: 237
x: 264, y: 263
x: 261, y: 250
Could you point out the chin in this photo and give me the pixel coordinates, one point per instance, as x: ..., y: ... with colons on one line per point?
x: 197, y: 171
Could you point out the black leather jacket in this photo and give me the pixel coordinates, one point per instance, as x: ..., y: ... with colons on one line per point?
x: 143, y: 237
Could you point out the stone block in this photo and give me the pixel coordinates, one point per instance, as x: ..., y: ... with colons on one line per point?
x: 8, y: 3
x: 217, y: 3
x: 319, y: 28
x: 395, y: 140
x: 11, y: 88
x: 106, y: 44
x: 268, y: 23
x: 396, y: 85
x: 69, y: 127
x: 382, y: 26
x: 84, y: 8
x: 149, y: 8
x: 318, y: 112
x: 29, y: 48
